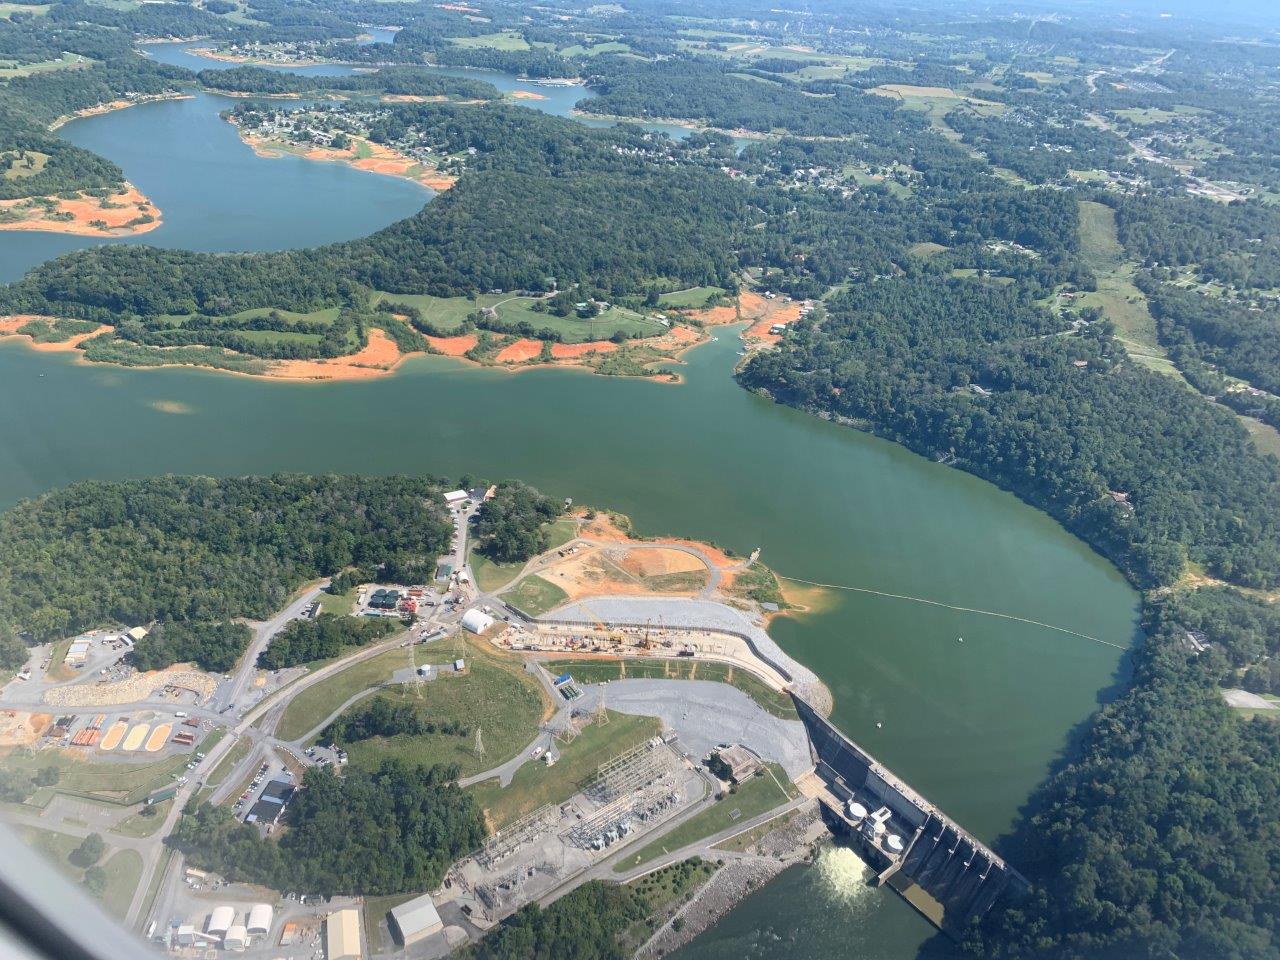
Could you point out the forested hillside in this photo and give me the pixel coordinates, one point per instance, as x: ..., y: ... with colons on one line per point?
x: 960, y: 369
x: 1163, y: 836
x: 199, y: 549
x: 363, y: 834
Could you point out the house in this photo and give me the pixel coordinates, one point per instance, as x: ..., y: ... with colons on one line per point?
x: 136, y: 634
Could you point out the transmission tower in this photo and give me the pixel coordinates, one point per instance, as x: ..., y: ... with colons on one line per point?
x: 602, y: 715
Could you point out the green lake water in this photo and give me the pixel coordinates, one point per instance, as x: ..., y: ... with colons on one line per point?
x: 973, y: 725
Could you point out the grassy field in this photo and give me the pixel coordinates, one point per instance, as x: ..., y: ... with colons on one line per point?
x: 1117, y: 297
x: 339, y: 604
x: 741, y: 841
x: 504, y: 40
x: 7, y: 10
x: 535, y: 596
x: 140, y: 826
x: 491, y: 575
x: 690, y: 299
x: 123, y: 868
x: 315, y: 703
x: 229, y: 762
x: 12, y: 68
x: 122, y: 783
x: 758, y: 795
x: 28, y: 165
x: 375, y: 911
x: 597, y: 671
x: 495, y: 696
x: 610, y: 46
x: 449, y: 313
x: 535, y: 783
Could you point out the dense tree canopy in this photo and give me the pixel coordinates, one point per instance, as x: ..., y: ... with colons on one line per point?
x: 364, y: 834
x: 511, y: 525
x: 212, y: 646
x: 302, y: 641
x: 201, y: 549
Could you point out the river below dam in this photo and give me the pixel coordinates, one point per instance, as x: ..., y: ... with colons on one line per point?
x: 973, y: 725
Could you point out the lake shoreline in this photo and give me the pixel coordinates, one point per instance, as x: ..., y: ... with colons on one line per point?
x: 130, y: 213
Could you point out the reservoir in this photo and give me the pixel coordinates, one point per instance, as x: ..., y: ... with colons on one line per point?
x: 972, y: 725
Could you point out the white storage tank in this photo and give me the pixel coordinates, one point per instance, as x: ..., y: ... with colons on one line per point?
x: 260, y: 917
x: 857, y: 812
x: 894, y: 843
x: 220, y: 920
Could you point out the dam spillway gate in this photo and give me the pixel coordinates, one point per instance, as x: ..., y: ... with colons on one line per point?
x: 938, y: 867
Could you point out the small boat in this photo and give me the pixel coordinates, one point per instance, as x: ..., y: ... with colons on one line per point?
x: 959, y: 639
x: 879, y: 724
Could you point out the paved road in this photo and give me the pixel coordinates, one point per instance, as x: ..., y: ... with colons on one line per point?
x: 262, y: 633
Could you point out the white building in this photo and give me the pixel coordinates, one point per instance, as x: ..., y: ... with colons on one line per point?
x: 221, y: 920
x: 78, y: 652
x: 455, y: 497
x: 476, y: 621
x: 237, y: 938
x: 416, y: 920
x: 260, y: 917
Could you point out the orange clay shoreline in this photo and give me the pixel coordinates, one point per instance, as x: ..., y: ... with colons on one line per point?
x: 381, y: 357
x: 384, y: 160
x: 89, y: 216
x: 9, y: 327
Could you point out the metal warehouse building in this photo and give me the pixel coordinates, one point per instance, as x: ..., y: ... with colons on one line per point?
x: 260, y: 917
x: 220, y: 921
x: 342, y: 935
x: 416, y: 920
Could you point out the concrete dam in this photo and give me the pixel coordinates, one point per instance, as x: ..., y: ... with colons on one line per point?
x: 937, y: 866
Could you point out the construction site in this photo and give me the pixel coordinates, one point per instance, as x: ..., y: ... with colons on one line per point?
x: 629, y: 797
x: 653, y: 639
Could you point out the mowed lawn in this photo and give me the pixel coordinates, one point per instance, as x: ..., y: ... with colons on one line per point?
x: 312, y: 705
x: 500, y: 699
x: 597, y: 671
x: 113, y: 782
x: 535, y: 596
x: 122, y: 868
x: 449, y: 313
x: 536, y: 784
x: 758, y: 795
x: 491, y: 575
